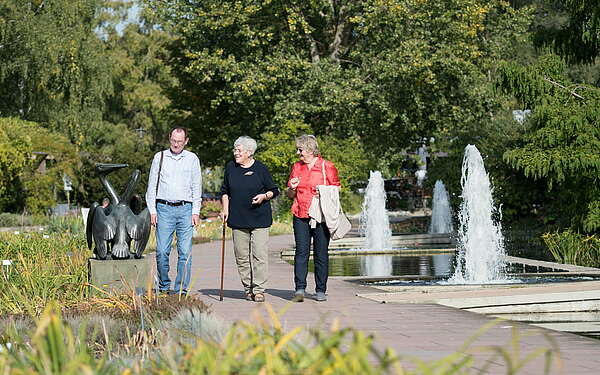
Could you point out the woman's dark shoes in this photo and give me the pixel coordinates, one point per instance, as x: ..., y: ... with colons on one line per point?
x: 298, y: 296
x: 249, y: 297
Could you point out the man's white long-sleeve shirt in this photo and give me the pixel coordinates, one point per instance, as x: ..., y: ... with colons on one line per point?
x: 180, y: 180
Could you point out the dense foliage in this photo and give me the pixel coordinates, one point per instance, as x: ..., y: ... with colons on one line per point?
x: 25, y: 146
x: 373, y: 79
x: 384, y: 72
x: 560, y: 145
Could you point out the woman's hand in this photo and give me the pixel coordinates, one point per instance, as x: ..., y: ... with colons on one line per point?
x: 224, y: 215
x: 259, y: 198
x: 294, y: 182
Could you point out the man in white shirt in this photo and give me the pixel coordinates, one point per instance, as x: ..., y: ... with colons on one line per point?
x: 173, y: 198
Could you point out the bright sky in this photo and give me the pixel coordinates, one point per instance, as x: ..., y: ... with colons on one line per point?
x: 131, y: 17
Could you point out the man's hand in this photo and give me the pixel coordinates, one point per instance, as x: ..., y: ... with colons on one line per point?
x: 195, y: 219
x: 153, y: 219
x: 224, y: 216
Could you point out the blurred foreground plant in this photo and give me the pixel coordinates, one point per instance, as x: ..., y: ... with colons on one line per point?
x: 264, y: 348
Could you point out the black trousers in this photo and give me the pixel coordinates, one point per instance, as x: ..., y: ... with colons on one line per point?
x: 320, y: 236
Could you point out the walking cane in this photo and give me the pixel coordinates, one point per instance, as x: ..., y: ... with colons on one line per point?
x: 222, y: 260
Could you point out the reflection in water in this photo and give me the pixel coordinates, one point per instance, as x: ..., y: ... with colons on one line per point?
x: 389, y: 265
x: 438, y: 265
x: 441, y: 213
x: 442, y: 264
x: 375, y: 265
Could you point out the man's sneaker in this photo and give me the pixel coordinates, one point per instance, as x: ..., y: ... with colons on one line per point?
x: 298, y: 296
x: 321, y: 297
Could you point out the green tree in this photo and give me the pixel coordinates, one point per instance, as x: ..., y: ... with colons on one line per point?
x: 137, y: 116
x: 577, y: 39
x: 23, y: 145
x: 64, y: 66
x: 562, y: 142
x: 141, y: 80
x: 384, y: 73
x: 52, y: 69
x: 521, y: 198
x: 14, y: 151
x: 561, y: 146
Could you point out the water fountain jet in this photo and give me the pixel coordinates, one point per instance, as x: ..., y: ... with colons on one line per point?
x: 441, y: 213
x: 375, y: 226
x: 480, y: 257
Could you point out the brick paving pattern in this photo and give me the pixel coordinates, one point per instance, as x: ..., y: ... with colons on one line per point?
x: 427, y: 331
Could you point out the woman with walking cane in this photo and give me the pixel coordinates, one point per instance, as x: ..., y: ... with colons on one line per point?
x: 246, y: 191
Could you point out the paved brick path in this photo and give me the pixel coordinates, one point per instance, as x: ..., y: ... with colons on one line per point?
x: 427, y: 331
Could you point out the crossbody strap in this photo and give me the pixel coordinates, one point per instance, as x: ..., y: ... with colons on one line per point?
x: 158, y: 175
x: 324, y: 176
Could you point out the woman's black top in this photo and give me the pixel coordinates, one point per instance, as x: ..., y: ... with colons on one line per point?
x: 243, y: 184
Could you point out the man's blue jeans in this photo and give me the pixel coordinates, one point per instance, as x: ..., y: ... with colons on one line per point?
x: 320, y: 236
x: 174, y: 219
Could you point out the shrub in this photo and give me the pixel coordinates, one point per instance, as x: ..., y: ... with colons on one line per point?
x: 14, y: 220
x: 210, y: 208
x: 66, y: 224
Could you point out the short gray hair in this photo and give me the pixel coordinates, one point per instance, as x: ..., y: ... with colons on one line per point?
x: 249, y: 144
x: 308, y: 143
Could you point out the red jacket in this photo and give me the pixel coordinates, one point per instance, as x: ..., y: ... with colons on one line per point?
x: 309, y: 179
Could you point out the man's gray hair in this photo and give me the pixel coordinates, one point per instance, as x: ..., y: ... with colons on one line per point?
x: 249, y: 144
x: 308, y: 143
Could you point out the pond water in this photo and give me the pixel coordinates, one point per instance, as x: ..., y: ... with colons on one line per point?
x: 437, y: 265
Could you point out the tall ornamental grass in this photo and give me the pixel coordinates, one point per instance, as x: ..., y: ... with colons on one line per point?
x: 45, y: 267
x: 574, y: 248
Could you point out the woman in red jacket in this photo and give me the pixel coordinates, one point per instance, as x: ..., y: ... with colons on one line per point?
x: 310, y: 171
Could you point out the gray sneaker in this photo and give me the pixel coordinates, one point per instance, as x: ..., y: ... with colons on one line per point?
x: 298, y: 296
x: 321, y: 297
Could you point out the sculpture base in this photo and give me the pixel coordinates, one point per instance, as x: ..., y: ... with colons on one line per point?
x: 119, y: 276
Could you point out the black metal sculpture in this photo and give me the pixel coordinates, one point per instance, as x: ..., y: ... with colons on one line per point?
x: 114, y: 228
